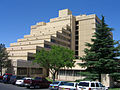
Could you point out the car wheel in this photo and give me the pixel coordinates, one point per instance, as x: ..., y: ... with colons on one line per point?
x: 36, y: 86
x: 28, y: 86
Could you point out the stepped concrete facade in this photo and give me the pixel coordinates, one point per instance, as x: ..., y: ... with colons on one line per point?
x: 65, y: 30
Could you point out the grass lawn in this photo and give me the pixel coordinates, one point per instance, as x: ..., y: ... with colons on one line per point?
x: 114, y: 89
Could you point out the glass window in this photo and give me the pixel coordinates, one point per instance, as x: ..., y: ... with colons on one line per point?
x: 36, y: 71
x: 92, y: 85
x: 76, y: 37
x: 38, y: 78
x: 76, y: 42
x: 21, y: 71
x: 69, y: 84
x: 56, y: 82
x: 76, y: 32
x: 83, y: 84
x: 77, y: 22
x: 76, y: 57
x: 77, y: 27
x: 47, y: 46
x: 97, y: 85
x: 101, y: 85
x: 76, y: 47
x: 76, y: 52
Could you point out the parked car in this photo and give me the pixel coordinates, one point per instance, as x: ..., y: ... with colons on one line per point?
x: 14, y: 78
x: 90, y: 85
x: 20, y: 82
x: 1, y: 78
x: 7, y: 74
x: 55, y: 85
x: 38, y: 82
x: 68, y: 86
x: 6, y: 77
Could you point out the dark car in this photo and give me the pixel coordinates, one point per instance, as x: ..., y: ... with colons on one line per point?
x: 1, y: 78
x: 38, y: 82
x: 13, y: 79
x: 6, y: 77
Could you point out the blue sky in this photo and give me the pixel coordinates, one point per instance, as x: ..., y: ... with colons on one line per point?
x: 16, y: 16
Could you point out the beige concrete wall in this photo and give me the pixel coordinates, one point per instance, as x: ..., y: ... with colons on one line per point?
x: 86, y: 31
x: 64, y: 12
x: 106, y: 80
x: 16, y: 58
x: 72, y: 21
x: 69, y: 78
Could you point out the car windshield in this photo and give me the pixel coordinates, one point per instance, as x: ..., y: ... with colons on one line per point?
x: 37, y: 78
x: 26, y: 79
x: 83, y: 84
x: 55, y: 82
x: 7, y: 75
x: 69, y: 84
x: 101, y: 85
x: 19, y: 77
x: 13, y: 77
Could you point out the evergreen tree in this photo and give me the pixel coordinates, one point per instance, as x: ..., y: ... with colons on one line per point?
x: 100, y: 55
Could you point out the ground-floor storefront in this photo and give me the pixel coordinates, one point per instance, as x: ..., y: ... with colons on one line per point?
x: 26, y: 68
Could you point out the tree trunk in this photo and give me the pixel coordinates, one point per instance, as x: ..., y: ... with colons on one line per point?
x: 1, y: 70
x: 99, y: 77
x: 54, y: 76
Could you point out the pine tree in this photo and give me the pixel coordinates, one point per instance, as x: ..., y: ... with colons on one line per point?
x: 100, y: 56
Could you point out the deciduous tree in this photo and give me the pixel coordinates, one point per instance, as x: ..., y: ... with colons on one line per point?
x: 54, y: 59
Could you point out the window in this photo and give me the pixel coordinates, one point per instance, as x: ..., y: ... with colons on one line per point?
x: 76, y: 57
x: 97, y: 85
x: 69, y: 72
x: 52, y: 40
x: 101, y: 85
x: 76, y: 37
x: 76, y: 52
x: 76, y: 47
x: 62, y: 83
x: 47, y: 46
x: 76, y: 32
x: 45, y: 80
x: 76, y: 42
x: 55, y: 82
x: 86, y: 84
x: 31, y: 58
x: 77, y: 27
x: 22, y: 71
x: 92, y: 85
x: 77, y: 22
x: 36, y: 71
x: 38, y: 78
x: 69, y: 84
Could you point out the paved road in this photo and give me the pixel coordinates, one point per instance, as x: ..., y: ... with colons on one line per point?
x: 13, y: 87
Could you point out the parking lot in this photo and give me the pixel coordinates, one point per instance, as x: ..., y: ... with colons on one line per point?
x: 14, y: 87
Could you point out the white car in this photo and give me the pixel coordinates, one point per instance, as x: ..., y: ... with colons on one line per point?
x: 20, y: 82
x: 90, y: 85
x: 68, y: 86
x: 55, y: 85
